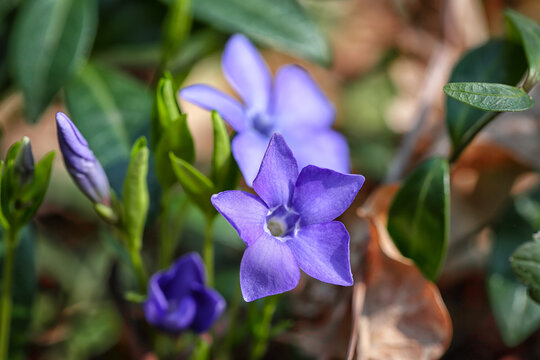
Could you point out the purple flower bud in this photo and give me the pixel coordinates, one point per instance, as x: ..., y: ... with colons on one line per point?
x: 178, y: 299
x: 80, y: 161
x: 24, y: 162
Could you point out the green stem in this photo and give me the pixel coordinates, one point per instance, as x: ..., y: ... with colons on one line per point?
x: 471, y: 134
x: 171, y: 222
x: 140, y: 271
x: 263, y: 329
x: 7, y: 278
x: 209, y: 251
x: 228, y: 342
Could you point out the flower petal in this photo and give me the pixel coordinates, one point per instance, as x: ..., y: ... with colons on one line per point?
x: 299, y: 102
x: 248, y: 150
x: 246, y: 213
x: 210, y: 305
x: 177, y: 282
x: 267, y: 268
x: 321, y: 195
x: 322, y: 252
x: 247, y: 72
x: 180, y: 317
x: 275, y: 181
x: 327, y: 149
x: 211, y: 99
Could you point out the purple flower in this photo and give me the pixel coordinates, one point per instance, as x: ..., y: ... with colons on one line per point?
x: 292, y: 105
x: 289, y: 225
x: 179, y: 300
x: 80, y: 161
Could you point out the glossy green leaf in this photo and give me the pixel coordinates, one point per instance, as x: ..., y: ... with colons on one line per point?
x: 516, y: 314
x: 223, y: 165
x: 497, y: 61
x: 282, y: 24
x: 51, y: 40
x: 490, y: 96
x: 528, y: 31
x: 196, y: 185
x: 418, y: 218
x: 526, y: 265
x: 135, y: 196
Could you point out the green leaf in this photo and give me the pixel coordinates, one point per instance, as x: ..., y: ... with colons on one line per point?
x: 112, y: 111
x: 489, y: 96
x: 197, y: 186
x: 497, y: 61
x: 50, y: 41
x: 516, y: 314
x: 282, y: 24
x: 170, y: 131
x: 418, y: 218
x: 526, y: 265
x: 177, y: 26
x: 224, y: 168
x: 528, y: 32
x: 135, y: 196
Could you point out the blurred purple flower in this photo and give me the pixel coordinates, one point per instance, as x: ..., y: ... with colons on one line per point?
x: 289, y: 225
x: 80, y: 161
x: 179, y: 300
x: 292, y: 105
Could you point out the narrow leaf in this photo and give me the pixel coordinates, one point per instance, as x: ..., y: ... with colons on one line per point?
x: 529, y: 33
x: 526, y: 265
x: 50, y: 41
x: 177, y: 26
x: 497, y: 61
x: 489, y: 96
x: 222, y: 160
x: 197, y: 186
x: 278, y: 23
x: 418, y: 219
x: 135, y: 195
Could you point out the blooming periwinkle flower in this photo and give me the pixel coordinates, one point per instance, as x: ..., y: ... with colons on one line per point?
x: 81, y: 162
x: 178, y: 298
x: 292, y: 105
x: 290, y: 224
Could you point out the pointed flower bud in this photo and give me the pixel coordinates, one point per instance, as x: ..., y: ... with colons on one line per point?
x: 81, y: 162
x: 24, y: 162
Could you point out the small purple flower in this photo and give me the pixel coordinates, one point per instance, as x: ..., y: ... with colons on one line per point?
x: 179, y: 300
x: 292, y: 105
x: 289, y: 225
x: 80, y: 161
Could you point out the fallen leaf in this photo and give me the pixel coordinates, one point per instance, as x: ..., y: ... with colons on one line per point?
x: 399, y: 314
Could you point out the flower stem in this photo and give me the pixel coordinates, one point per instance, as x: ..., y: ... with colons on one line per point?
x: 7, y: 279
x: 209, y: 251
x: 263, y: 329
x: 140, y: 271
x: 174, y: 207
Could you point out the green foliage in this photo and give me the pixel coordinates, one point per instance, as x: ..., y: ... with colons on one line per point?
x: 224, y: 169
x: 170, y: 132
x: 51, y: 39
x: 135, y: 196
x: 497, y: 61
x: 111, y: 110
x: 419, y: 216
x: 489, y: 96
x: 526, y: 265
x: 279, y: 23
x: 516, y: 314
x: 177, y: 26
x: 196, y: 185
x: 24, y: 274
x: 21, y: 200
x: 528, y: 32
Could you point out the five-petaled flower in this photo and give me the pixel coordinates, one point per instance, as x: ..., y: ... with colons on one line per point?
x: 81, y: 162
x: 290, y: 224
x: 292, y: 105
x: 178, y: 298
